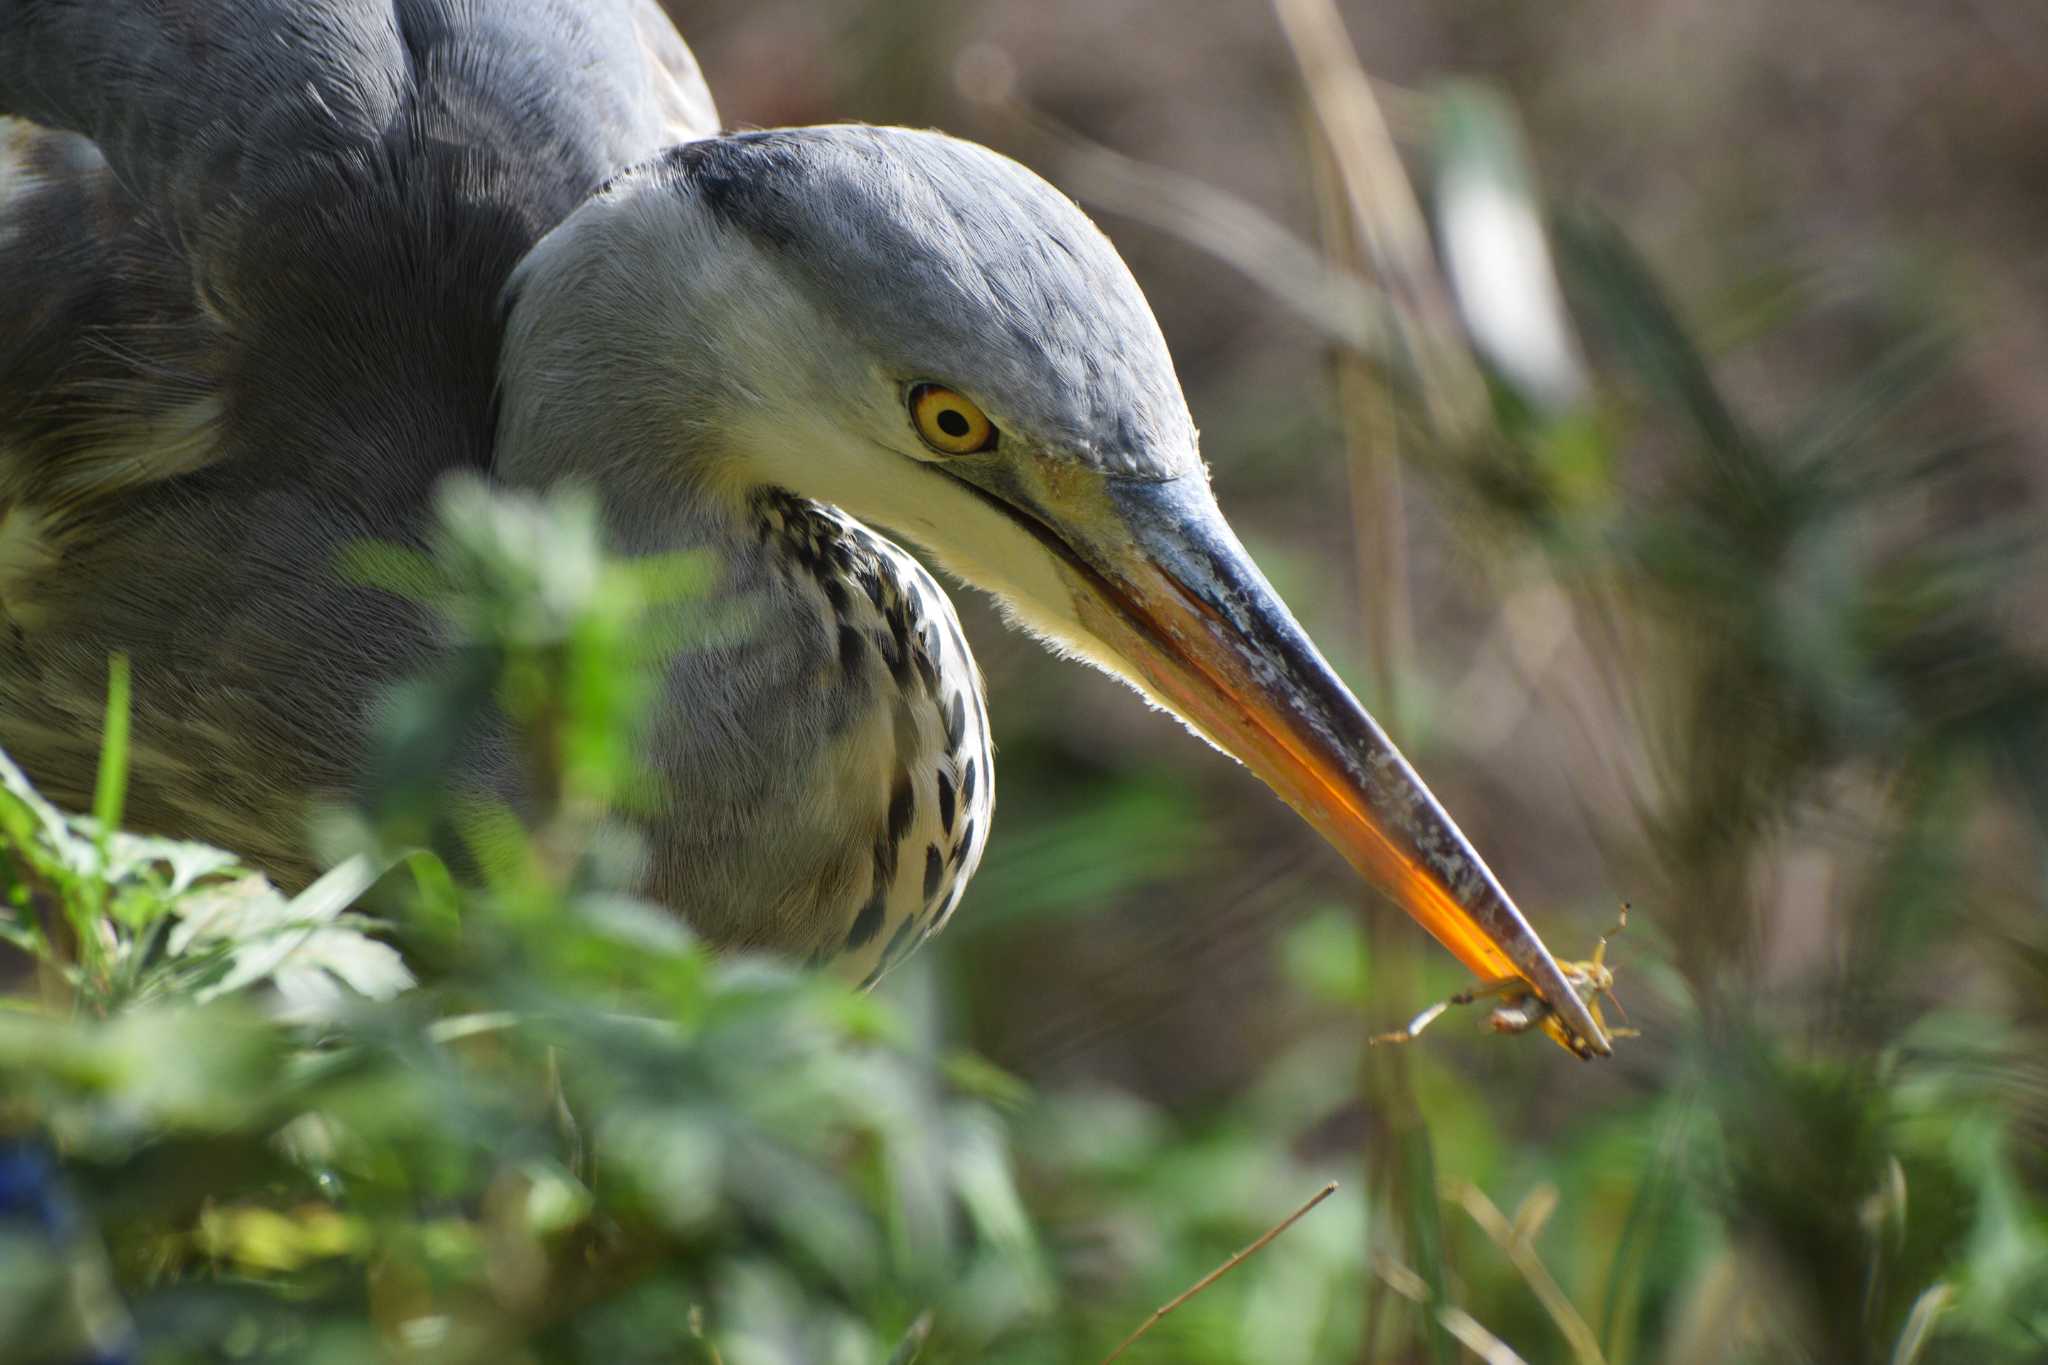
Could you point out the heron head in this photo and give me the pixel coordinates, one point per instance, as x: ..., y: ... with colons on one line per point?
x: 925, y: 333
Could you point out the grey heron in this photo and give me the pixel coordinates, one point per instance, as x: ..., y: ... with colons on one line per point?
x: 272, y: 269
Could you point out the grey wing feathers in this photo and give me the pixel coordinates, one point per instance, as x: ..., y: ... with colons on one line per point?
x: 249, y: 274
x: 171, y: 210
x: 109, y: 393
x: 108, y: 370
x: 221, y: 116
x: 687, y: 112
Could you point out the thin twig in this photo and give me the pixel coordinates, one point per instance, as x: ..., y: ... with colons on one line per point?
x: 1521, y: 1252
x: 1367, y: 419
x: 1384, y: 205
x: 696, y: 1320
x: 1371, y: 435
x: 1220, y: 1271
x: 1913, y: 1338
x: 1469, y: 1331
x: 1474, y: 1337
x: 907, y: 1350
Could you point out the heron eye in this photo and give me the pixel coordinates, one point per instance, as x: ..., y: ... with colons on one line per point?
x: 948, y: 422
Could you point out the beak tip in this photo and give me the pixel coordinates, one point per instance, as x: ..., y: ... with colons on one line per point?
x: 1181, y: 599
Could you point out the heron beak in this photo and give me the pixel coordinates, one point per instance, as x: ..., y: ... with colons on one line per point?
x: 1177, y: 598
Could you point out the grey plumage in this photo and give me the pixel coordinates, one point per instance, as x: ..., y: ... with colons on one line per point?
x: 262, y: 328
x: 276, y: 345
x: 273, y: 269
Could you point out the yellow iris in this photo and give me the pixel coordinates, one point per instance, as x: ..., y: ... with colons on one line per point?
x: 949, y: 422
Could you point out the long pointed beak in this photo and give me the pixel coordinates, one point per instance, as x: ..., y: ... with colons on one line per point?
x: 1179, y: 600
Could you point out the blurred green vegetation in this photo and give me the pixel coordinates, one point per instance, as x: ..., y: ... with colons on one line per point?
x: 1769, y: 637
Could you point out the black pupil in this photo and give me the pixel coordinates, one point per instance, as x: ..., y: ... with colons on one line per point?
x: 953, y: 422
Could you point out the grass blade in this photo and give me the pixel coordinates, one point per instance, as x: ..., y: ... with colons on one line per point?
x: 110, y: 791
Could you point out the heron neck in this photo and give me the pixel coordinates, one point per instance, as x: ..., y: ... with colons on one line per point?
x: 618, y: 430
x: 611, y: 374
